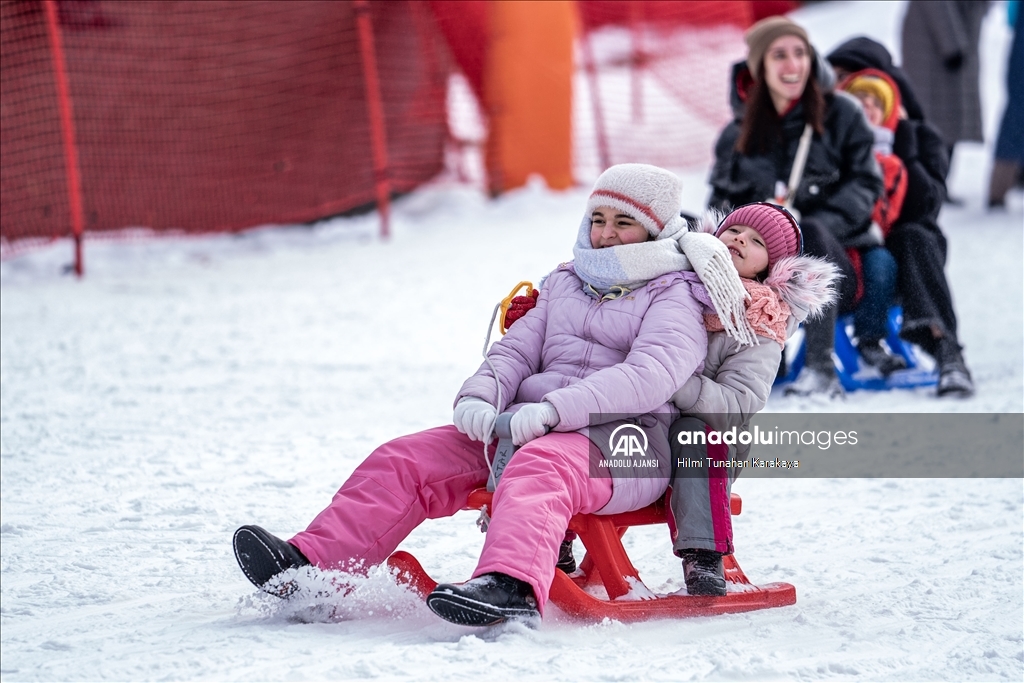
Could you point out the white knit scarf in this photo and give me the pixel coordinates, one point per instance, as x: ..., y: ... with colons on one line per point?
x: 611, y: 271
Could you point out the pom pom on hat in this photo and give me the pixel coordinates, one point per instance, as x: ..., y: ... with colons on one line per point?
x: 761, y: 35
x: 781, y: 233
x: 651, y: 195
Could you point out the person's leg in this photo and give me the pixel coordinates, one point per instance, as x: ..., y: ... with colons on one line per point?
x: 879, y: 276
x: 1009, y: 151
x: 928, y: 316
x: 701, y: 519
x: 879, y: 272
x: 545, y: 484
x: 818, y: 375
x: 700, y: 494
x: 421, y: 476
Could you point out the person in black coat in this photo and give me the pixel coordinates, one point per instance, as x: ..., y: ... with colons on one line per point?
x: 780, y: 92
x: 916, y: 240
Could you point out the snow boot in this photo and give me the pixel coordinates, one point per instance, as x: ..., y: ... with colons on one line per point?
x: 484, y: 601
x: 566, y: 560
x: 262, y: 556
x: 703, y: 572
x: 954, y: 377
x: 874, y: 355
x: 816, y: 382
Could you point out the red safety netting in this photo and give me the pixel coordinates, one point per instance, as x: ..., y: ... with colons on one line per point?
x: 33, y: 177
x: 222, y: 115
x: 214, y: 115
x: 654, y: 79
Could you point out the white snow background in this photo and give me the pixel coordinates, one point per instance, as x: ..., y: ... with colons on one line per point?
x: 187, y: 386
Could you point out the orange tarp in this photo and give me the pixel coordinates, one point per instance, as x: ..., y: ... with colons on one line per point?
x: 528, y: 89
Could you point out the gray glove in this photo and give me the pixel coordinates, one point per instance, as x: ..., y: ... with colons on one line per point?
x: 531, y: 421
x: 474, y: 417
x: 686, y: 396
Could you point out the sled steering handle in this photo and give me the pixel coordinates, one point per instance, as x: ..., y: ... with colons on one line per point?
x: 503, y: 429
x: 507, y: 301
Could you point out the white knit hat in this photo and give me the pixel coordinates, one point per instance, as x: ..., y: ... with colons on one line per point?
x: 651, y: 195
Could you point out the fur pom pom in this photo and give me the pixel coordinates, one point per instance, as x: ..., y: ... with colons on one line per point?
x: 806, y: 283
x: 709, y: 220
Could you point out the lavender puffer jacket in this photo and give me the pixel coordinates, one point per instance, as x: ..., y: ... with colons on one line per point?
x: 623, y: 357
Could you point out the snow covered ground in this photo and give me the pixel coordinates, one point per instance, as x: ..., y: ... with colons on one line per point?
x: 185, y: 387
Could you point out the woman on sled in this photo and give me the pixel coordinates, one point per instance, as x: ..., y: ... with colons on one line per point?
x: 795, y: 140
x: 614, y: 334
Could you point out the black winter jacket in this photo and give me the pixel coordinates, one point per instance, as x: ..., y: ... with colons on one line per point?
x: 841, y: 180
x: 918, y: 143
x: 922, y: 150
x: 861, y: 53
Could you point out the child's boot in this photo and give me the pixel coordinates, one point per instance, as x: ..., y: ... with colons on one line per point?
x: 703, y: 572
x: 262, y: 556
x: 566, y: 560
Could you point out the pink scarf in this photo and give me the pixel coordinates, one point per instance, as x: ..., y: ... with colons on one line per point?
x: 767, y: 313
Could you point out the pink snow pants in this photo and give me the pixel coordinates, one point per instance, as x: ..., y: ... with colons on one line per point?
x: 430, y: 475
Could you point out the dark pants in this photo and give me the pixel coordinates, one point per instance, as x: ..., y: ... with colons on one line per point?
x: 700, y: 493
x: 1010, y: 143
x: 878, y: 272
x: 920, y: 253
x: 820, y: 332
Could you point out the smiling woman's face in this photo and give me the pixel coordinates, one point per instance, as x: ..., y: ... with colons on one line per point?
x: 610, y: 227
x: 787, y: 66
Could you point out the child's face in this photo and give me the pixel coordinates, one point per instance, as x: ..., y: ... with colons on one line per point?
x: 748, y: 250
x: 610, y: 227
x: 872, y: 108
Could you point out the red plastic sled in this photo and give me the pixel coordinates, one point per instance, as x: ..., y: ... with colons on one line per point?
x: 606, y: 564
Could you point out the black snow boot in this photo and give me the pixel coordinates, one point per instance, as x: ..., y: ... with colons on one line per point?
x: 703, y: 572
x: 566, y: 560
x: 954, y: 377
x: 484, y: 601
x: 874, y: 354
x: 262, y: 556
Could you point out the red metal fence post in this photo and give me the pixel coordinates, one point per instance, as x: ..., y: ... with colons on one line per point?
x: 375, y: 110
x: 590, y: 66
x: 637, y: 59
x: 67, y: 128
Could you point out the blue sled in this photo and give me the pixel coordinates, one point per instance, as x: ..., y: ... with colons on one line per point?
x: 918, y: 373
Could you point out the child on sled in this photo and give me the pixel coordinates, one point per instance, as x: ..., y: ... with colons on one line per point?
x: 616, y: 331
x: 783, y: 289
x: 875, y: 266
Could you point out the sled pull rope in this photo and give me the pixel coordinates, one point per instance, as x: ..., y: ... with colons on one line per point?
x: 500, y: 306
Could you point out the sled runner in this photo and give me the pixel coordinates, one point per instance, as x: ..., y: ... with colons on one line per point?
x: 848, y: 362
x: 606, y: 567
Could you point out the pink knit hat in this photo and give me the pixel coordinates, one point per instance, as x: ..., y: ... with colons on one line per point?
x: 780, y: 231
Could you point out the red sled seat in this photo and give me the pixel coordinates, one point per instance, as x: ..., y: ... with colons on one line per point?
x: 606, y: 565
